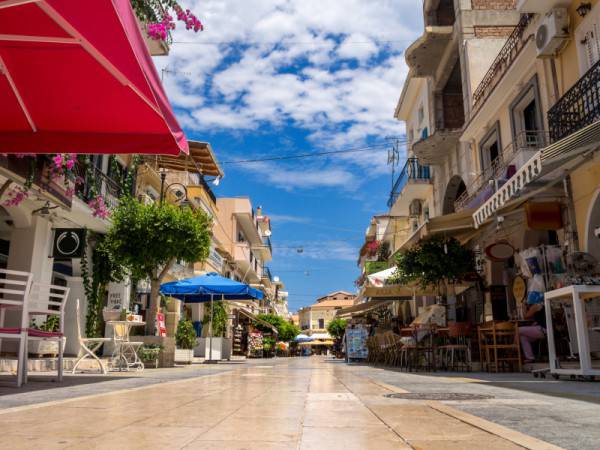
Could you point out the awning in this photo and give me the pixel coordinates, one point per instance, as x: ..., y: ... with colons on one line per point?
x: 362, y: 308
x: 252, y: 317
x: 76, y: 77
x: 401, y: 291
x: 541, y: 165
x: 314, y: 343
x: 457, y: 225
x: 201, y: 159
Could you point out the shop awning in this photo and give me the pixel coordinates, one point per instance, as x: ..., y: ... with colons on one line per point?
x: 201, y: 159
x: 406, y: 292
x: 541, y: 165
x: 362, y: 308
x: 76, y: 77
x: 252, y: 317
x: 314, y: 343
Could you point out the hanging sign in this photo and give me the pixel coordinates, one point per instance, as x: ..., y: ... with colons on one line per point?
x: 500, y: 251
x: 68, y: 243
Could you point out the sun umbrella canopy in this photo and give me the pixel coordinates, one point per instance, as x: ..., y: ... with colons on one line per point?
x: 76, y: 77
x: 302, y: 338
x: 212, y: 285
x: 379, y: 278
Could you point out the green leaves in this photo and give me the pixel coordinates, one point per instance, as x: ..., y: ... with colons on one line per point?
x: 336, y: 328
x: 286, y: 331
x: 145, y: 238
x: 185, y: 337
x: 220, y: 318
x: 433, y: 261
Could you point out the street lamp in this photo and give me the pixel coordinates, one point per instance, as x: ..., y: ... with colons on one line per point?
x: 182, y: 197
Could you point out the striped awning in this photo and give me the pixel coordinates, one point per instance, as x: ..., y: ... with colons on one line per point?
x: 541, y: 164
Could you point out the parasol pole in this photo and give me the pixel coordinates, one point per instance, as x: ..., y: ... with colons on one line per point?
x: 210, y: 329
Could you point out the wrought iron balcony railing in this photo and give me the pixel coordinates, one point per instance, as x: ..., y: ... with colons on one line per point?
x: 412, y: 171
x: 507, y: 55
x: 266, y: 273
x: 499, y: 169
x: 95, y: 182
x: 579, y: 107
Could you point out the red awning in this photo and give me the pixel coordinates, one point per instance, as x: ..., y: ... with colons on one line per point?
x: 76, y: 77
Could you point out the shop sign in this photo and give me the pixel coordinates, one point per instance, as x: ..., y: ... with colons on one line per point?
x: 215, y: 258
x: 68, y: 243
x: 519, y: 288
x: 118, y: 296
x: 500, y: 251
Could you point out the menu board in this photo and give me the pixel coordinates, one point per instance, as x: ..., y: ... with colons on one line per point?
x: 356, y: 342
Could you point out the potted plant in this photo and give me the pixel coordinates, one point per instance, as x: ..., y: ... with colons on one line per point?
x: 221, y: 346
x: 268, y: 346
x: 41, y: 347
x: 149, y: 354
x: 185, y: 340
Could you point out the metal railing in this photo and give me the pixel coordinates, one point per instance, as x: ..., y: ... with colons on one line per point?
x: 266, y: 273
x: 267, y: 241
x: 412, y: 170
x: 526, y: 140
x: 207, y: 188
x: 507, y: 55
x: 95, y: 182
x: 579, y: 107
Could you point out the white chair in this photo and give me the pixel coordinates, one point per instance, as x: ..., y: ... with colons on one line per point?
x: 88, y: 345
x: 49, y: 300
x: 15, y: 287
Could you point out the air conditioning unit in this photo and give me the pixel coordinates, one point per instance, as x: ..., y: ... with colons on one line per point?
x: 553, y: 33
x: 415, y: 208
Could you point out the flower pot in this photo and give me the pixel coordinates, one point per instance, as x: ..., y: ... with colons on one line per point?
x: 41, y: 348
x: 184, y: 356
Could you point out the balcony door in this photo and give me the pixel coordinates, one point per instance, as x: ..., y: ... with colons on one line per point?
x: 526, y: 117
x: 490, y: 149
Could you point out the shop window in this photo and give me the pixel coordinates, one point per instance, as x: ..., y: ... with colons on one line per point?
x: 490, y: 149
x: 526, y: 116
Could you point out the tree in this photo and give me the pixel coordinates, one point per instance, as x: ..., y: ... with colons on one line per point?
x: 286, y: 331
x: 434, y: 262
x: 336, y: 328
x: 148, y: 239
x: 219, y: 318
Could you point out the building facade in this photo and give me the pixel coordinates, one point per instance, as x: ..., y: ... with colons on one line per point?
x: 315, y: 318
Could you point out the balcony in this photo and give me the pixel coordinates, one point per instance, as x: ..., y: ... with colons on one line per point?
x: 95, y: 182
x: 424, y: 55
x: 413, y: 182
x: 512, y: 157
x: 507, y: 55
x: 375, y: 266
x: 579, y: 107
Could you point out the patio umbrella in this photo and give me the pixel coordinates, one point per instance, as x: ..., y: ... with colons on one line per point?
x: 302, y: 338
x: 76, y: 77
x: 205, y: 288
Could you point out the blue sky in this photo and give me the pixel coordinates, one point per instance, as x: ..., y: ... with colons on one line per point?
x: 280, y: 77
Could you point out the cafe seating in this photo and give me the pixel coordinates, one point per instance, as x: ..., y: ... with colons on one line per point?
x: 89, y: 345
x: 15, y: 287
x: 49, y: 300
x: 499, y: 346
x: 455, y: 354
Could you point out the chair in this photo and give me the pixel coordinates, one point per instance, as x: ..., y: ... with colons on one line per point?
x: 15, y: 287
x: 88, y: 345
x: 500, y: 346
x: 49, y: 300
x: 457, y: 351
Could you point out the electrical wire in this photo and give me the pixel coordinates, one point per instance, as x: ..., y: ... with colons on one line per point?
x: 325, y: 43
x: 309, y: 155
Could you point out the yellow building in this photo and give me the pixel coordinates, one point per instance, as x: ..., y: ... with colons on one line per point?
x: 315, y: 318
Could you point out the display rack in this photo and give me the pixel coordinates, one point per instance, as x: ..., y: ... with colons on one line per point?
x: 578, y: 295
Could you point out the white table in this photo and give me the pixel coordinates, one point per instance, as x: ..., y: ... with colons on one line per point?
x: 125, y: 355
x: 578, y: 295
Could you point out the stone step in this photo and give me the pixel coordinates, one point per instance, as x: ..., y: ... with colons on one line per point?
x: 49, y: 364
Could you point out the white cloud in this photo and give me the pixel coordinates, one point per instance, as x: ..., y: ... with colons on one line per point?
x: 278, y: 219
x: 334, y: 68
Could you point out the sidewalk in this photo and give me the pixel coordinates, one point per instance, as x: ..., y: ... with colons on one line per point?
x: 287, y: 403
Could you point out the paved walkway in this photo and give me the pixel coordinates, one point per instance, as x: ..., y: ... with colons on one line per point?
x: 299, y: 403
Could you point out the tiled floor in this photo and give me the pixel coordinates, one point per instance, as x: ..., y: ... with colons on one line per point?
x: 300, y: 403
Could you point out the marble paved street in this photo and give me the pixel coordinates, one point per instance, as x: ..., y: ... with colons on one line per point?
x: 297, y: 403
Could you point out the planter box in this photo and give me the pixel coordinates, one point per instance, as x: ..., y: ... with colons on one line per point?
x: 184, y: 356
x: 166, y: 357
x: 43, y: 347
x: 221, y: 348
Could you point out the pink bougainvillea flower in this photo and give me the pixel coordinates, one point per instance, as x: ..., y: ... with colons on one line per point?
x: 58, y: 161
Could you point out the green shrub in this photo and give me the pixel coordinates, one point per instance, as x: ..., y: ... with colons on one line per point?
x: 186, y: 335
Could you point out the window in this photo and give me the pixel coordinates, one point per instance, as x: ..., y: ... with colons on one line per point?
x: 420, y: 115
x: 588, y: 38
x: 526, y: 116
x: 240, y: 237
x: 489, y: 148
x: 321, y: 324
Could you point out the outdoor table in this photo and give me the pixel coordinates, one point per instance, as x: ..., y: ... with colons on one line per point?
x: 125, y: 356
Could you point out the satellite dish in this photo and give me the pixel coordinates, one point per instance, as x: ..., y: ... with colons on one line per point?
x: 268, y: 233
